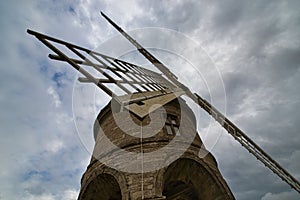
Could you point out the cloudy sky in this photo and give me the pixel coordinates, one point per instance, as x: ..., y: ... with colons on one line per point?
x: 254, y: 45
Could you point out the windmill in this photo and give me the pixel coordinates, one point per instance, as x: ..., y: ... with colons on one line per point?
x: 147, y: 88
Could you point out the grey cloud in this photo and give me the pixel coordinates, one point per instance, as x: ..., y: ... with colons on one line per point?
x: 255, y: 45
x: 179, y: 16
x: 278, y: 196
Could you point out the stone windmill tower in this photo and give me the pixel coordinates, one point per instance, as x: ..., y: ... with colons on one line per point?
x: 146, y: 140
x: 156, y: 167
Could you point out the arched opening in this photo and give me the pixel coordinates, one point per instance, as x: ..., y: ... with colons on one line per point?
x: 180, y: 190
x: 186, y: 179
x: 104, y: 187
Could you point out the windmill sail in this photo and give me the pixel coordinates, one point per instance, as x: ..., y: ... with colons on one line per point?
x: 127, y: 83
x: 232, y: 129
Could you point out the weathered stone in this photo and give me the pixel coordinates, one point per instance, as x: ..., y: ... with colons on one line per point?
x: 160, y: 166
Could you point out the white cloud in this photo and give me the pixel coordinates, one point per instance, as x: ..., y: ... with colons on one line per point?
x: 39, y: 197
x: 55, y: 146
x: 70, y: 194
x: 290, y: 195
x: 55, y: 96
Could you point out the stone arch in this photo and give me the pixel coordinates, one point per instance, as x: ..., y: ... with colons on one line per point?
x: 187, y: 179
x: 103, y: 187
x: 104, y: 178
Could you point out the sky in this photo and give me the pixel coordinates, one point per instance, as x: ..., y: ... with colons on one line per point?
x: 252, y: 74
